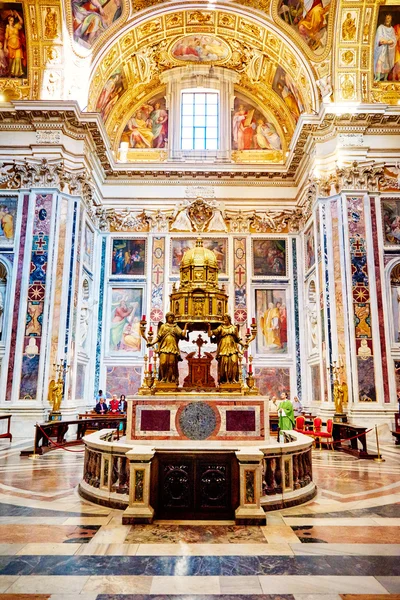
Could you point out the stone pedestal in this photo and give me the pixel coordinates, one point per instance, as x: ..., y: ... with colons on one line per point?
x: 55, y: 415
x: 340, y: 418
x: 139, y: 509
x: 249, y: 512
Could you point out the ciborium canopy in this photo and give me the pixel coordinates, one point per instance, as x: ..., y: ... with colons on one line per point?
x: 199, y: 299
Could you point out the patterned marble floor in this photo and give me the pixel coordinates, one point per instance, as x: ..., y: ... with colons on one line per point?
x: 345, y: 544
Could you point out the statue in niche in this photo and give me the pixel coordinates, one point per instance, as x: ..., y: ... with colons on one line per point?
x: 313, y: 325
x: 168, y: 336
x: 228, y: 341
x: 312, y: 322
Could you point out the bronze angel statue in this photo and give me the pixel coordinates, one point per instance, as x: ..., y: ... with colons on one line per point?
x: 168, y: 336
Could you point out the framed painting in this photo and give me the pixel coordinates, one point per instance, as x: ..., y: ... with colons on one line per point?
x: 272, y: 325
x: 13, y: 41
x: 391, y: 223
x: 124, y: 320
x: 8, y: 215
x: 386, y: 45
x: 88, y: 244
x: 218, y: 245
x: 128, y: 257
x: 309, y: 248
x: 269, y: 258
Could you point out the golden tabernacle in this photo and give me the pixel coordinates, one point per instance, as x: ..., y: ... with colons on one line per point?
x: 199, y: 299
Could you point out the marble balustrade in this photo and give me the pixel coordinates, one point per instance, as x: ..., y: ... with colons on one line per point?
x: 111, y: 467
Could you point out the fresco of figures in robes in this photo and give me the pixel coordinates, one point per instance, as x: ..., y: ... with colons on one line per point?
x: 272, y: 335
x: 387, y: 44
x: 125, y: 314
x: 285, y: 87
x: 309, y: 18
x: 91, y: 19
x: 251, y: 130
x: 111, y: 93
x: 148, y: 126
x: 200, y: 48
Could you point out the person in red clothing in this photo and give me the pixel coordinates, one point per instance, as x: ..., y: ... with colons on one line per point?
x: 114, y: 404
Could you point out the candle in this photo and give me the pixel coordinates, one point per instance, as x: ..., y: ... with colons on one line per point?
x: 248, y: 331
x: 150, y: 368
x: 143, y: 317
x: 250, y: 369
x: 150, y: 329
x: 253, y: 321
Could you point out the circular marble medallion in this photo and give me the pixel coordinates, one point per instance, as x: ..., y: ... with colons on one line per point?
x: 197, y: 421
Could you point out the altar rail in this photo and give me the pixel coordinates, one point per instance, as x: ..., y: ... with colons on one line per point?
x: 109, y: 480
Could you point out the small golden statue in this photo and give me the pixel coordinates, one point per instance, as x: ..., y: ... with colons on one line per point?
x: 340, y: 389
x: 56, y: 388
x: 55, y: 394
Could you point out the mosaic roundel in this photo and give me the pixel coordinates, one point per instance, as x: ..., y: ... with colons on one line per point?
x: 197, y: 421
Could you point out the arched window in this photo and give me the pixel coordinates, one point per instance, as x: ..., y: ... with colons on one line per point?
x: 199, y: 120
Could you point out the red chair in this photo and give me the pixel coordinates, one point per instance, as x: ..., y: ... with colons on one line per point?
x: 300, y: 426
x: 316, y: 432
x: 325, y: 437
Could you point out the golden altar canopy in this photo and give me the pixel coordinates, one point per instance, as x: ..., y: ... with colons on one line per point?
x: 199, y: 299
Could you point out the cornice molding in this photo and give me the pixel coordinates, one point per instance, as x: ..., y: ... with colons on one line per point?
x: 67, y: 117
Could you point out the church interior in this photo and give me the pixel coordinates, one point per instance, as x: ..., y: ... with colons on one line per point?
x: 199, y: 299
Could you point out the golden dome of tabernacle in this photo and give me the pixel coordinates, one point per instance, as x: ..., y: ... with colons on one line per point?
x: 199, y: 256
x: 199, y: 299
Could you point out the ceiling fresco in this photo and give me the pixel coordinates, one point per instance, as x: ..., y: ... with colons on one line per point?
x: 290, y: 56
x: 279, y: 80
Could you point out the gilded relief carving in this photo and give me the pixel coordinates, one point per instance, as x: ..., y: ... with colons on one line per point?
x: 348, y: 30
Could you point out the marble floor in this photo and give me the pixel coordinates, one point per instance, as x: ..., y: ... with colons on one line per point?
x: 345, y: 544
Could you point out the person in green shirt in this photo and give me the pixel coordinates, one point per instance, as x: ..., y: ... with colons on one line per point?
x: 285, y: 413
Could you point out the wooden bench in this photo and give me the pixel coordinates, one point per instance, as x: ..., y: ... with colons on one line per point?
x: 57, y: 430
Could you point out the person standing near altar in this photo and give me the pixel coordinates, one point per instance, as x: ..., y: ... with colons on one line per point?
x: 285, y: 414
